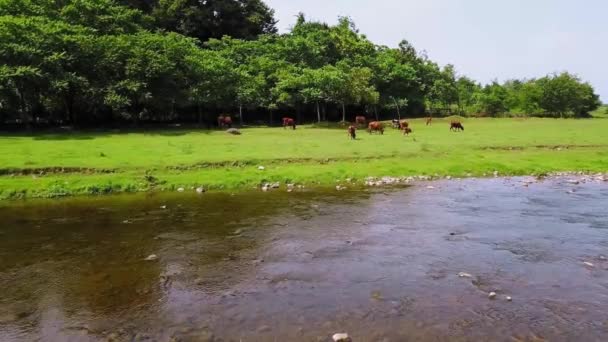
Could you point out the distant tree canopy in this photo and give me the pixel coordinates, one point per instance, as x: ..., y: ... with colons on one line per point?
x: 104, y: 61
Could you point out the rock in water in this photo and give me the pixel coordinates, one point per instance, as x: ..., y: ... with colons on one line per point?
x: 492, y: 295
x: 464, y: 275
x: 233, y: 131
x: 180, y: 189
x: 341, y: 337
x: 509, y: 298
x: 151, y: 257
x: 588, y: 263
x: 200, y: 190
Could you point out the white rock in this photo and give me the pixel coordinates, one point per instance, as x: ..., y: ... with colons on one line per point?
x: 492, y: 295
x: 341, y: 337
x: 448, y: 177
x: 430, y: 187
x: 151, y: 257
x: 495, y: 173
x: 464, y: 275
x: 509, y: 298
x: 276, y: 185
x: 163, y: 207
x: 261, y: 168
x: 588, y: 264
x: 264, y: 188
x: 573, y: 181
x: 200, y: 190
x: 290, y: 186
x: 180, y: 189
x: 289, y: 190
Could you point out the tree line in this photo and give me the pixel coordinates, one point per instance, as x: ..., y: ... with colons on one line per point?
x: 91, y: 62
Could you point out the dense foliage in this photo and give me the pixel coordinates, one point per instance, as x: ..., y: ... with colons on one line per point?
x: 104, y: 61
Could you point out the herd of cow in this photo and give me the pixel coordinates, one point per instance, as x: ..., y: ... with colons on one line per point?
x: 224, y: 121
x: 403, y: 125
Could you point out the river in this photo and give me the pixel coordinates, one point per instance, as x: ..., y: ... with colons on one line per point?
x: 400, y: 264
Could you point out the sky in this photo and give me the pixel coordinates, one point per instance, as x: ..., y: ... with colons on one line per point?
x: 484, y: 39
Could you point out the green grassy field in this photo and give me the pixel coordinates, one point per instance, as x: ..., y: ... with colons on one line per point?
x: 95, y: 163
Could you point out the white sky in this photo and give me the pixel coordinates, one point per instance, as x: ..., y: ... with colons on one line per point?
x: 484, y: 39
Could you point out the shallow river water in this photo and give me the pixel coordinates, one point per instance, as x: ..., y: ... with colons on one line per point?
x: 378, y: 264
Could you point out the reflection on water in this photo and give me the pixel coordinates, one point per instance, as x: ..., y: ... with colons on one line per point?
x: 380, y: 265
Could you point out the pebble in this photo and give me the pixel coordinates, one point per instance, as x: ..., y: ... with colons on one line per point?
x: 340, y: 188
x: 151, y: 257
x: 341, y: 337
x: 276, y: 185
x: 509, y: 298
x: 200, y: 190
x: 163, y: 207
x: 492, y: 295
x: 261, y: 168
x: 264, y: 328
x: 464, y: 275
x: 588, y: 263
x: 430, y: 187
x: 264, y: 188
x: 180, y: 189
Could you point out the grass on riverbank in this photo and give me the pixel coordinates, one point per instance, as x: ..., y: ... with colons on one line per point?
x: 96, y: 163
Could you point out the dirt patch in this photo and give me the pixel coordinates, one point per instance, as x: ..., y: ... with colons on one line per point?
x: 52, y: 170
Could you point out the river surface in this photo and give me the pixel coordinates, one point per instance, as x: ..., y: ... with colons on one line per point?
x: 378, y: 264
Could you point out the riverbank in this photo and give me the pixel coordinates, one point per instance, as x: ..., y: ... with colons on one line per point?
x: 71, y: 164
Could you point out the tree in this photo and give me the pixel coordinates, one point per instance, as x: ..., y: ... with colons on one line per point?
x: 564, y: 93
x: 215, y: 18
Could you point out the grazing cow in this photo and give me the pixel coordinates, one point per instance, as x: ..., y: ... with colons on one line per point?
x: 352, y: 132
x: 375, y: 126
x: 224, y: 121
x: 406, y: 130
x: 429, y: 121
x: 289, y: 122
x: 395, y: 123
x: 456, y: 126
x: 403, y: 124
x: 360, y: 120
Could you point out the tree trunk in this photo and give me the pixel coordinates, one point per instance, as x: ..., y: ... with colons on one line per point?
x: 298, y: 113
x: 200, y: 115
x: 318, y: 113
x: 343, y: 112
x: 398, y: 111
x: 270, y: 123
x: 241, y: 113
x: 324, y: 112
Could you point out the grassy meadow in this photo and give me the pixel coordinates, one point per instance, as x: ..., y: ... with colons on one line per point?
x: 63, y: 164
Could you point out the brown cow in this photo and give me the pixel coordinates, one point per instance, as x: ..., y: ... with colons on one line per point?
x: 429, y: 121
x: 224, y: 121
x: 352, y: 132
x: 456, y: 126
x: 375, y: 126
x: 406, y: 130
x: 289, y: 122
x: 360, y: 120
x: 403, y: 124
